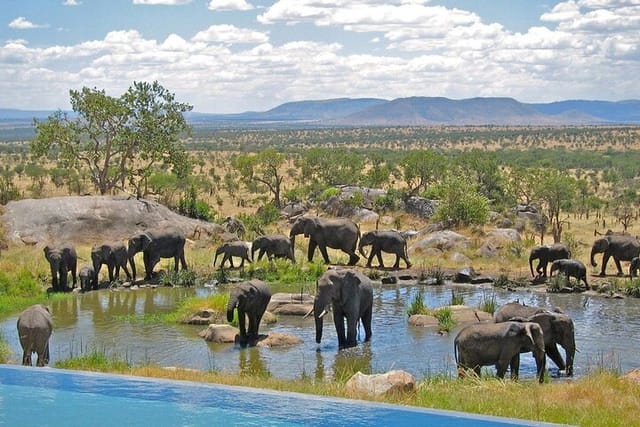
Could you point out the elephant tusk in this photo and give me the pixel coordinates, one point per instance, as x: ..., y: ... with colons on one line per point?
x: 308, y: 314
x: 324, y: 312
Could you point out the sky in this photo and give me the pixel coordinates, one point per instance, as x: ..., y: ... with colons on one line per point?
x: 231, y: 56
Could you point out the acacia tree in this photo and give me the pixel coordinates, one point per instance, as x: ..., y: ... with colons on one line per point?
x: 117, y: 139
x: 422, y: 168
x: 555, y: 192
x: 263, y: 168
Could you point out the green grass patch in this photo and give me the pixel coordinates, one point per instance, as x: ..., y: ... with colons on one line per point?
x: 488, y: 304
x: 417, y: 306
x: 445, y: 319
x: 95, y: 360
x: 5, y: 350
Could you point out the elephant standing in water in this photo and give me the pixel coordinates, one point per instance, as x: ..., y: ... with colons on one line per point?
x: 570, y: 267
x: 621, y: 248
x: 87, y: 278
x: 338, y: 233
x: 114, y: 255
x: 557, y: 329
x: 34, y: 330
x: 350, y: 294
x: 62, y: 260
x: 274, y: 245
x: 546, y: 254
x: 155, y: 244
x: 251, y: 300
x: 499, y: 344
x: 389, y: 241
x: 233, y: 249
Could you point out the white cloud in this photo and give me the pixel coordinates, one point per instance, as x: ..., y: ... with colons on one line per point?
x: 229, y: 5
x: 21, y: 23
x: 162, y: 2
x: 230, y: 34
x: 71, y: 3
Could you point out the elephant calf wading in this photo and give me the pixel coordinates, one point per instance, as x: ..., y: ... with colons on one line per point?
x: 62, y: 260
x: 155, y: 244
x: 546, y: 254
x: 230, y: 250
x: 570, y: 268
x: 325, y: 233
x: 274, y: 245
x: 557, y: 329
x: 34, y: 330
x: 87, y: 278
x: 499, y: 344
x: 389, y: 241
x: 250, y: 299
x: 350, y: 294
x: 114, y: 255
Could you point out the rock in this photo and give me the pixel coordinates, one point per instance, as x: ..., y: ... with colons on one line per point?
x: 293, y: 309
x: 431, y: 252
x: 423, y: 320
x: 465, y: 275
x: 633, y: 376
x: 393, y: 382
x: 421, y: 207
x: 204, y: 317
x: 463, y: 314
x: 277, y: 339
x: 361, y: 215
x: 219, y: 333
x: 92, y: 218
x: 389, y: 280
x: 459, y: 258
x: 269, y: 318
x: 443, y: 240
x: 480, y: 280
x: 293, y: 209
x: 504, y: 234
x: 289, y: 299
x: 487, y: 250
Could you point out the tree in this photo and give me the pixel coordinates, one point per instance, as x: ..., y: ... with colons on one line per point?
x: 421, y: 168
x: 330, y: 166
x: 460, y: 201
x: 264, y: 169
x: 555, y: 192
x: 117, y: 139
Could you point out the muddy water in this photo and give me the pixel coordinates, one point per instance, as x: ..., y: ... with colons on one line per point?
x: 606, y: 334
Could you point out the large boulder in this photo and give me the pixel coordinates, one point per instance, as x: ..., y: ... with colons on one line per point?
x: 219, y: 333
x: 420, y: 207
x: 277, y: 339
x: 290, y: 303
x: 389, y: 383
x: 92, y: 218
x: 443, y: 240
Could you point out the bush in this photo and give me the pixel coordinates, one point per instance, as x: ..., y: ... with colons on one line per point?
x: 460, y: 202
x: 190, y: 206
x: 417, y: 305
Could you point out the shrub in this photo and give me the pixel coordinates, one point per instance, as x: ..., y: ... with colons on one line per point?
x: 488, y: 304
x: 445, y: 319
x: 417, y: 305
x: 460, y: 202
x: 178, y: 278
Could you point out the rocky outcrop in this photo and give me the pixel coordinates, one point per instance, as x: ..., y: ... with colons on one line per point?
x: 389, y: 383
x: 92, y: 218
x: 462, y: 315
x: 443, y: 240
x: 420, y: 207
x: 219, y: 333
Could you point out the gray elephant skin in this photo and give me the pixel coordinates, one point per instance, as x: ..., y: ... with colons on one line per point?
x: 114, y: 255
x: 155, y: 244
x: 390, y: 241
x: 232, y: 249
x: 274, y: 246
x: 634, y: 266
x: 250, y: 299
x: 570, y: 268
x: 62, y: 260
x: 340, y: 233
x: 34, y: 330
x: 621, y: 248
x: 350, y: 295
x: 87, y: 278
x: 499, y: 344
x: 546, y: 254
x: 557, y: 329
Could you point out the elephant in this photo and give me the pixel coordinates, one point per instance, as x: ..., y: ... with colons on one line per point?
x: 570, y: 267
x: 62, y: 260
x: 546, y: 254
x: 499, y: 344
x: 557, y: 329
x: 620, y: 247
x: 231, y: 249
x: 338, y: 233
x: 389, y: 241
x: 87, y: 278
x: 114, y: 255
x: 350, y: 293
x: 35, y: 325
x: 274, y: 245
x: 155, y: 244
x: 250, y: 299
x: 634, y: 266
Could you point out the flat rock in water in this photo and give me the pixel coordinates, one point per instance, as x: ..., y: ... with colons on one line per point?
x: 277, y: 339
x: 219, y: 333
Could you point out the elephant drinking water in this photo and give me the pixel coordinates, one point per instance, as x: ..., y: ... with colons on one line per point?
x: 338, y: 233
x: 62, y: 260
x: 250, y: 299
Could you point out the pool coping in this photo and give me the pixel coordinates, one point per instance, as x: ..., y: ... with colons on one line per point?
x: 32, y: 372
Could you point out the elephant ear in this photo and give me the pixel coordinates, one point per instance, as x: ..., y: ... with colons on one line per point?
x: 309, y: 225
x: 349, y: 284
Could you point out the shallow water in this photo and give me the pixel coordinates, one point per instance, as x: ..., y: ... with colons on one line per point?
x: 605, y: 334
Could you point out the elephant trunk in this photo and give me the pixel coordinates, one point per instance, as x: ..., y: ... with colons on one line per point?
x: 215, y: 259
x: 319, y: 311
x: 233, y: 303
x: 594, y: 251
x: 292, y: 239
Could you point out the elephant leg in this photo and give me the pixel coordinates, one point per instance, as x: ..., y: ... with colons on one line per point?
x: 514, y: 366
x: 325, y: 255
x: 353, y: 257
x: 396, y: 265
x: 126, y: 271
x: 110, y: 269
x: 26, y: 358
x: 74, y: 277
x: 311, y: 250
x: 352, y: 331
x: 183, y: 261
x: 379, y: 256
x: 366, y: 323
x: 370, y: 259
x: 63, y: 278
x: 605, y: 260
x: 46, y: 354
x: 618, y: 266
x: 554, y: 355
x: 261, y: 253
x: 406, y: 260
x: 242, y: 323
x: 338, y: 320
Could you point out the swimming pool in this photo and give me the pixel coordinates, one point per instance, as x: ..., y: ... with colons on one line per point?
x: 55, y: 397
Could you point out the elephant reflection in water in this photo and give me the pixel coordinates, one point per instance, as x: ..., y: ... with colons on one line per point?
x: 65, y: 311
x: 346, y: 363
x: 123, y: 302
x: 251, y: 363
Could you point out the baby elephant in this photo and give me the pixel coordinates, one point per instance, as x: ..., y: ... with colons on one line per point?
x: 34, y: 329
x: 88, y: 278
x: 230, y: 250
x: 499, y: 344
x: 570, y: 267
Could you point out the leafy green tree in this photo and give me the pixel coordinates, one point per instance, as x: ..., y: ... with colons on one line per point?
x: 484, y: 169
x: 330, y: 166
x: 460, y: 202
x: 555, y: 192
x: 262, y: 169
x: 117, y: 139
x: 422, y: 168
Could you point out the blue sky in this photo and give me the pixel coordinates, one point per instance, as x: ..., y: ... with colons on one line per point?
x: 238, y: 55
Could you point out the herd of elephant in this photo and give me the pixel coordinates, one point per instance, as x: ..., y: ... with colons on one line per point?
x: 620, y: 247
x: 168, y: 242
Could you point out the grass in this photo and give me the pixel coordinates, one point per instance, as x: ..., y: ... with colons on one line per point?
x: 488, y: 304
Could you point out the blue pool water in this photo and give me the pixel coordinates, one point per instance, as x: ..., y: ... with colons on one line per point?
x: 53, y: 397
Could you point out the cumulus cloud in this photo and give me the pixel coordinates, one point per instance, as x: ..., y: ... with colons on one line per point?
x: 71, y: 3
x: 229, y: 5
x: 21, y: 23
x: 230, y: 34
